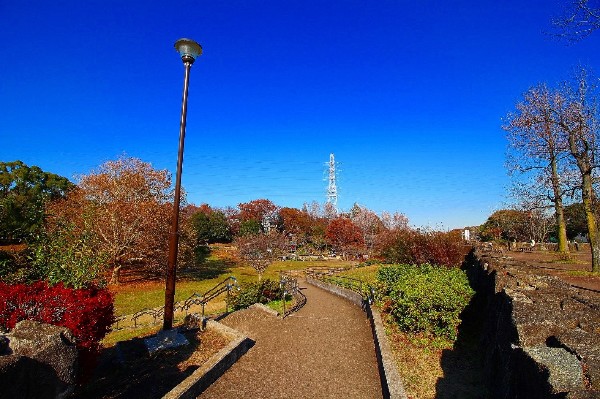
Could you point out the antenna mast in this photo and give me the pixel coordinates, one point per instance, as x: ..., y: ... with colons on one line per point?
x: 332, y: 196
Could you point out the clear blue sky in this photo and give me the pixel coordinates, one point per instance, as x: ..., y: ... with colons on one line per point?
x: 408, y: 95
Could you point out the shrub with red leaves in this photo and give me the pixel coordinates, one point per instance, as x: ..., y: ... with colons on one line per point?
x: 88, y: 312
x: 418, y: 247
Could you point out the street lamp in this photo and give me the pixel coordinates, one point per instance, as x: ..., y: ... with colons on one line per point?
x: 189, y: 51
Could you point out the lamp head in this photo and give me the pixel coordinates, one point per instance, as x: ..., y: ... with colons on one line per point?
x: 188, y: 49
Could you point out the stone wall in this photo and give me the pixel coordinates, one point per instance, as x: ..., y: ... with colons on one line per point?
x: 541, y: 336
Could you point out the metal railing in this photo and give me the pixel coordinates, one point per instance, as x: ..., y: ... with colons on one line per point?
x: 227, y: 285
x: 289, y: 286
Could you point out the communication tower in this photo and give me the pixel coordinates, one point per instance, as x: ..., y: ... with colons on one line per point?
x: 332, y: 196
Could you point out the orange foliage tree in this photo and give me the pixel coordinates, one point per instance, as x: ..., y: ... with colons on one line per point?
x: 258, y: 210
x: 344, y: 236
x: 127, y: 204
x: 368, y: 222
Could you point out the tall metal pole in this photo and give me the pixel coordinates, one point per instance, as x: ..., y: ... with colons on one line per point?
x: 174, y: 234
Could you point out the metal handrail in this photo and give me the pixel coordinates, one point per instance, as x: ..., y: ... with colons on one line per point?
x: 289, y: 285
x: 202, y: 299
x: 226, y: 285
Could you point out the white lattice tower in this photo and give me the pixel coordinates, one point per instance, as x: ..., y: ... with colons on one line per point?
x: 332, y: 196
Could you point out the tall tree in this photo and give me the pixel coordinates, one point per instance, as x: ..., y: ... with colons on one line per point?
x: 211, y: 226
x: 537, y: 146
x: 394, y: 221
x: 344, y: 236
x: 506, y: 224
x: 257, y: 209
x: 129, y: 203
x: 578, y: 117
x: 24, y: 191
x: 579, y: 20
x: 297, y: 223
x: 368, y: 222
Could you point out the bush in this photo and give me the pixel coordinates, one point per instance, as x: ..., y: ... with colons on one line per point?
x: 16, y: 267
x: 88, y: 313
x: 69, y: 258
x: 260, y: 292
x: 418, y: 247
x: 424, y: 299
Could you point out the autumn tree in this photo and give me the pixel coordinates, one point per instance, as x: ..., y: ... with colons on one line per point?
x: 506, y: 224
x: 420, y: 246
x: 344, y: 236
x: 579, y: 20
x: 577, y: 116
x: 24, y: 192
x: 297, y: 223
x: 319, y: 218
x: 233, y: 219
x: 538, y: 148
x: 394, y: 221
x: 262, y: 210
x: 261, y: 250
x: 129, y: 204
x: 368, y: 222
x: 68, y: 249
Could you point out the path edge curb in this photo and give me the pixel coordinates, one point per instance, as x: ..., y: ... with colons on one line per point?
x: 391, y: 382
x: 214, y: 367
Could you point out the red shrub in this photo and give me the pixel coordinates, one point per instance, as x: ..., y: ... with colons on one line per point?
x: 88, y: 313
x: 418, y: 247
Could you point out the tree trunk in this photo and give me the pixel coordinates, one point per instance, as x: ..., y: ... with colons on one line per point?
x: 587, y: 197
x: 562, y: 229
x: 116, y: 274
x: 558, y: 209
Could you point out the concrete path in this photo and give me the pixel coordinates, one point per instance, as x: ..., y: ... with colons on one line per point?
x: 325, y: 350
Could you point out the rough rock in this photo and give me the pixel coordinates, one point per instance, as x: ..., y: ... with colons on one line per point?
x: 42, y: 363
x: 3, y: 345
x: 542, y: 336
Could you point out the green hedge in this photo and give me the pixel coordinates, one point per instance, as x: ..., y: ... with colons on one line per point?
x: 260, y: 292
x: 424, y: 298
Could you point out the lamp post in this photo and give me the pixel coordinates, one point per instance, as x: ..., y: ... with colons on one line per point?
x: 189, y: 51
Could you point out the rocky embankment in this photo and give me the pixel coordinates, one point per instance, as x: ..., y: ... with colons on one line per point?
x: 541, y: 335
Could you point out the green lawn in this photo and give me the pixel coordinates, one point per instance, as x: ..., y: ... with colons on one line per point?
x: 131, y: 298
x: 367, y: 274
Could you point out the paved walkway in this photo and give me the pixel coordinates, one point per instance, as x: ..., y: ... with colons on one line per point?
x: 325, y: 350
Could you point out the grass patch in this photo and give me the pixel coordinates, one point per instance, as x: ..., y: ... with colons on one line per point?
x: 277, y: 304
x: 418, y: 364
x: 367, y: 274
x: 131, y: 298
x: 126, y: 334
x: 581, y: 273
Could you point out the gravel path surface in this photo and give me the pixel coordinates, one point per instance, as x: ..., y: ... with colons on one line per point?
x: 325, y: 350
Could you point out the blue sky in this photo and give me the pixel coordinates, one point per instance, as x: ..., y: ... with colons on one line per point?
x: 409, y: 96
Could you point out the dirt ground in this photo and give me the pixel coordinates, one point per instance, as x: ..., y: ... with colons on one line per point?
x: 127, y: 371
x: 575, y: 271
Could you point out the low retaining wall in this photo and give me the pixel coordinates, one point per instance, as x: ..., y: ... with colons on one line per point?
x: 352, y: 296
x: 210, y: 371
x: 541, y: 336
x: 391, y: 383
